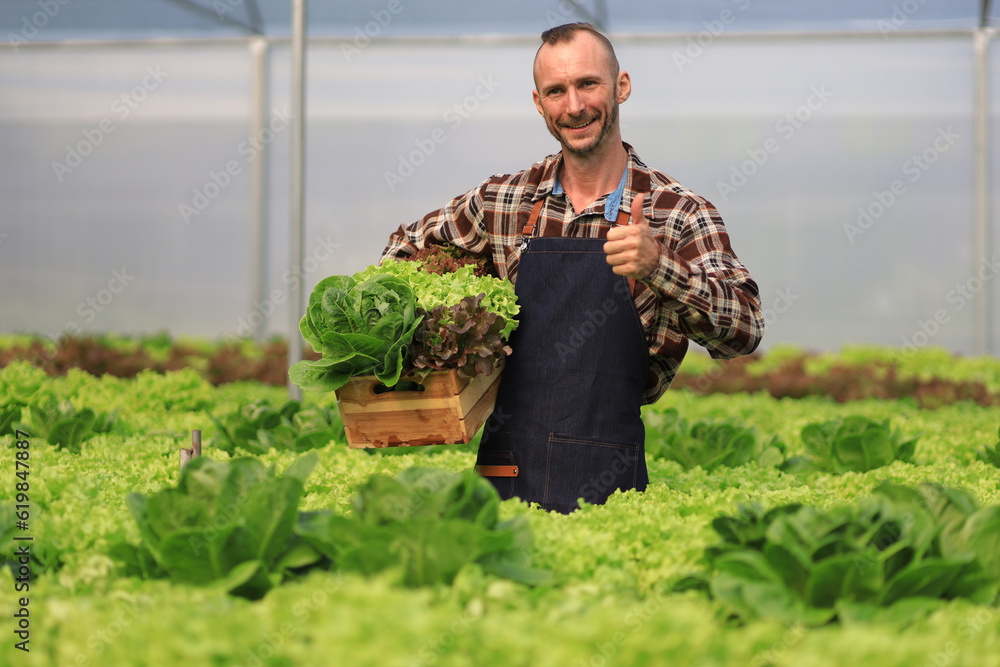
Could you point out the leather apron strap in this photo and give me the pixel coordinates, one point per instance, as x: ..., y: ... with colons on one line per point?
x: 497, y: 471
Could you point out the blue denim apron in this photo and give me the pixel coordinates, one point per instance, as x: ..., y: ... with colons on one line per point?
x: 566, y: 423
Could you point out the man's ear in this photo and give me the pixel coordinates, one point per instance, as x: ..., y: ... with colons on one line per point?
x: 624, y: 86
x: 537, y: 99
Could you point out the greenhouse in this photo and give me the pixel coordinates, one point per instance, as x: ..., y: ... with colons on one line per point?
x: 232, y: 434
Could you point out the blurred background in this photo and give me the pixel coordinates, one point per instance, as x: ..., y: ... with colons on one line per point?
x: 145, y: 151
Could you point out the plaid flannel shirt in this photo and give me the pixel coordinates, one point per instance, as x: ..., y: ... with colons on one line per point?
x: 698, y: 291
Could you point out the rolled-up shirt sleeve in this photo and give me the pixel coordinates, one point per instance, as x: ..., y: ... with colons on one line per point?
x: 700, y: 280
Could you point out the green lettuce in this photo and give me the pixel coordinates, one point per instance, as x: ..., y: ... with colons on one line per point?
x: 449, y: 289
x: 466, y: 336
x: 708, y: 443
x: 898, y: 554
x: 851, y: 444
x: 59, y: 423
x: 990, y: 454
x: 360, y: 328
x: 426, y: 524
x: 257, y: 427
x: 226, y: 525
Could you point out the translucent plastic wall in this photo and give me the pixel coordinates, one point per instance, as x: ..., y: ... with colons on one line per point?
x: 842, y: 166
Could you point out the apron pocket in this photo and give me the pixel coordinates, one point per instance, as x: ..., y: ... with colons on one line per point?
x: 588, y: 468
x: 498, y: 457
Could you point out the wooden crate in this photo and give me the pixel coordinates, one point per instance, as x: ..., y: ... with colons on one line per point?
x: 450, y: 410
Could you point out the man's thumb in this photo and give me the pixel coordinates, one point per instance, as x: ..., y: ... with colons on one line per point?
x: 636, y: 216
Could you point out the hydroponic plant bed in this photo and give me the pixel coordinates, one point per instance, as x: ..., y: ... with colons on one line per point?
x: 610, y: 597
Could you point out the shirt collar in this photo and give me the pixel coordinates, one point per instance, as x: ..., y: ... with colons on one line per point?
x: 550, y: 184
x: 613, y: 200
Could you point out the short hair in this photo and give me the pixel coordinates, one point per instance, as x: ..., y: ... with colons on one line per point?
x: 568, y: 31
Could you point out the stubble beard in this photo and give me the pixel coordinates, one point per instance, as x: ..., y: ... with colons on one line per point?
x: 587, y: 149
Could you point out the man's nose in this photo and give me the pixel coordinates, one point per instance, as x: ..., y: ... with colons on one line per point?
x: 574, y: 100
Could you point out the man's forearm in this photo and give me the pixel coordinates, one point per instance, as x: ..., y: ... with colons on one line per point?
x: 720, y: 310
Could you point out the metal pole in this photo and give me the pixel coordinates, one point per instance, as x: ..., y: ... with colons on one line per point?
x: 259, y: 187
x: 981, y: 241
x: 296, y: 235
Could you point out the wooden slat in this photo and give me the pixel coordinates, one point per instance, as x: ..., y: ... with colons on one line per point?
x: 393, y: 403
x: 438, y: 384
x: 410, y: 418
x: 477, y: 386
x: 482, y: 409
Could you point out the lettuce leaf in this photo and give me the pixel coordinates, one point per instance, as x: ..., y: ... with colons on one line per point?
x: 360, y: 327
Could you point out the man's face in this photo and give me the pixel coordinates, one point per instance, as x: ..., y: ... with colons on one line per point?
x: 577, y: 93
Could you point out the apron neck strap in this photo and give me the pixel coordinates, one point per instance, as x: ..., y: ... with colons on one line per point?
x: 532, y: 219
x: 536, y: 210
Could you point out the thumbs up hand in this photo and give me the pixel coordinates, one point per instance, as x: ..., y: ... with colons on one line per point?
x: 631, y: 249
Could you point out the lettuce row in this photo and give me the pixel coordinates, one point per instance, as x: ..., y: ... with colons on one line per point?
x: 708, y: 443
x: 58, y: 423
x: 895, y: 555
x: 257, y: 427
x: 236, y: 526
x: 425, y: 525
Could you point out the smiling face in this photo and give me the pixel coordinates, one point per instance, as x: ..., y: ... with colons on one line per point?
x: 577, y: 91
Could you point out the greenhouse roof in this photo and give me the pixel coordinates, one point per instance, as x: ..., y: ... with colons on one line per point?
x: 43, y: 21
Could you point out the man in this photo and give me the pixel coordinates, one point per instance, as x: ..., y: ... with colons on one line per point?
x: 607, y: 303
